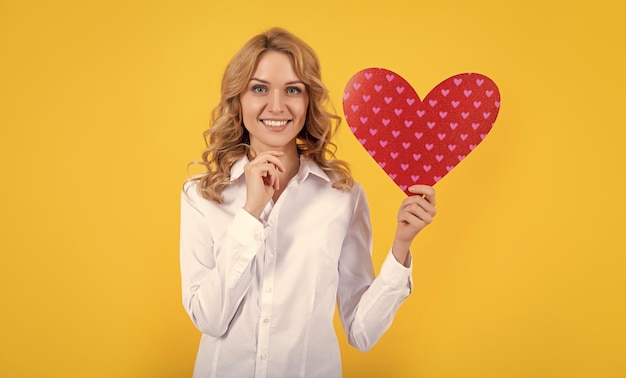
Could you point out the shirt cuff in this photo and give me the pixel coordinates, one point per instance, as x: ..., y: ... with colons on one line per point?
x: 395, y: 274
x: 245, y: 235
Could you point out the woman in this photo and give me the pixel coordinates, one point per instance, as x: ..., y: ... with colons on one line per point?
x: 276, y: 232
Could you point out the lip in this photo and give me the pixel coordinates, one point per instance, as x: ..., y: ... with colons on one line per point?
x: 279, y: 124
x: 275, y: 119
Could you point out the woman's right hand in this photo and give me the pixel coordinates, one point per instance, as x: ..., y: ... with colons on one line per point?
x: 261, y: 174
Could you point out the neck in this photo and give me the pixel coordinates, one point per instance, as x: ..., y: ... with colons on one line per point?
x: 291, y: 161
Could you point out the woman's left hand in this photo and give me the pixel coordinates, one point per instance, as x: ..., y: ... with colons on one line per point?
x: 416, y: 212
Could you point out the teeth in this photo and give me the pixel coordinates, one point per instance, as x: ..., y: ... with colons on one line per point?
x: 275, y: 123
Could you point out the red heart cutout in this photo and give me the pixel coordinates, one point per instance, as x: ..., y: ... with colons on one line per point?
x: 415, y: 141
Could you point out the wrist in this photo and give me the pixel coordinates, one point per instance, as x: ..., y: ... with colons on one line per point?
x: 401, y: 250
x: 255, y: 211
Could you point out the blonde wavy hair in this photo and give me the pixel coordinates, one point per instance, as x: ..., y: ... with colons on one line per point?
x: 228, y: 140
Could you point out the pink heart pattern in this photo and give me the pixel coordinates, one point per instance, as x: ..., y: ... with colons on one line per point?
x: 415, y: 141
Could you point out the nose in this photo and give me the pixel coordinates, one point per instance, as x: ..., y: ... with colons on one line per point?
x: 276, y: 104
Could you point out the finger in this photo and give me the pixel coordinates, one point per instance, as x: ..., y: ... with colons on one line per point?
x: 412, y: 221
x: 425, y: 191
x: 418, y: 212
x: 270, y: 157
x: 272, y: 172
x: 273, y: 182
x: 421, y: 202
x: 419, y: 208
x: 266, y: 171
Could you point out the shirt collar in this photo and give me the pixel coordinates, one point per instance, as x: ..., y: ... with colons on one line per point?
x: 307, y: 167
x: 237, y: 169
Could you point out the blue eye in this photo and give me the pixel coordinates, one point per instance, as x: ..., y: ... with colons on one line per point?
x: 294, y: 90
x: 259, y: 89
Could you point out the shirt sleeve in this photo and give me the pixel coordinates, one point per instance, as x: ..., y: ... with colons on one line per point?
x: 215, y: 278
x: 368, y: 304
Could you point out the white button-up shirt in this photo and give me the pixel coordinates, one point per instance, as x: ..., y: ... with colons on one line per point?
x: 263, y: 293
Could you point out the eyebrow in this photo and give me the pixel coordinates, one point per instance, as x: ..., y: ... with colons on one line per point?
x: 267, y: 82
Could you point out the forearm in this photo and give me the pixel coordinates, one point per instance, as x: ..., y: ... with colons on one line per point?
x: 211, y: 304
x: 379, y: 304
x: 216, y: 278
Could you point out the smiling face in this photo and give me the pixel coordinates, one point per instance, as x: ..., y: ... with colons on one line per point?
x: 274, y: 104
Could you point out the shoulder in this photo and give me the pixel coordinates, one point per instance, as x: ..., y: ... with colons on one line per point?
x: 354, y: 197
x: 189, y: 194
x: 191, y: 197
x: 233, y: 195
x: 357, y: 193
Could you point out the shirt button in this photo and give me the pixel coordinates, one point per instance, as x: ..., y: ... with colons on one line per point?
x: 266, y: 321
x: 268, y: 289
x: 264, y: 356
x: 270, y: 257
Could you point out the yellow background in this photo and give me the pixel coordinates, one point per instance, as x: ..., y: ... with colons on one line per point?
x: 102, y: 105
